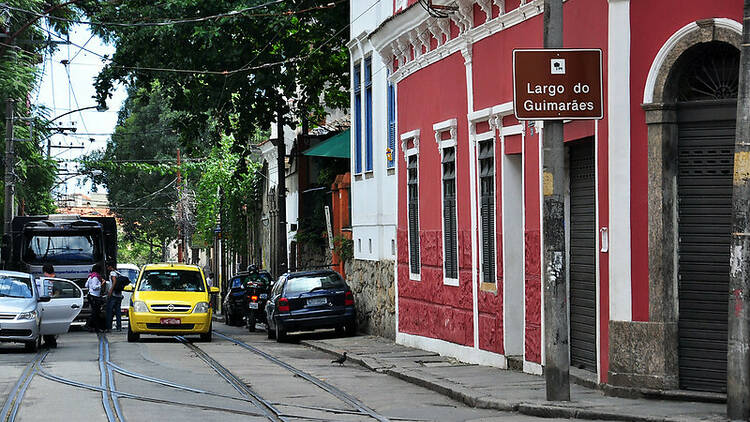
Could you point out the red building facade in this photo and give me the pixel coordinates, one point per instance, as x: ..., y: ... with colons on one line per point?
x: 470, y: 187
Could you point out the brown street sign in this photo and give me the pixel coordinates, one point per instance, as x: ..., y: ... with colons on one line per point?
x: 557, y: 84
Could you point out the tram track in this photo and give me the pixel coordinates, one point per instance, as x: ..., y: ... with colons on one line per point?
x: 13, y: 402
x: 360, y: 407
x: 266, y: 407
x: 110, y: 399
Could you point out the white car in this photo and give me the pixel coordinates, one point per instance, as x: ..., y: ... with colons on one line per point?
x: 130, y: 271
x: 27, y: 314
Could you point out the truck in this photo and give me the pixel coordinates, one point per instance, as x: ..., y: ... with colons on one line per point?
x: 71, y: 243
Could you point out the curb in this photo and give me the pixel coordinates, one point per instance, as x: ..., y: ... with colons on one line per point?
x: 469, y: 398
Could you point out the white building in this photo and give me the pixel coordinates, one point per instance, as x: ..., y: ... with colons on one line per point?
x: 373, y: 169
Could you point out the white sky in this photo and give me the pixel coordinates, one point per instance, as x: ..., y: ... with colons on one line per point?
x: 63, y: 89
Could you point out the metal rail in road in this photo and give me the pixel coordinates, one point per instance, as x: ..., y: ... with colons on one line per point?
x: 341, y: 395
x: 268, y: 409
x: 12, y: 403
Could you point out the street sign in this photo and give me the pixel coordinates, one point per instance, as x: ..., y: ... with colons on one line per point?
x: 557, y: 84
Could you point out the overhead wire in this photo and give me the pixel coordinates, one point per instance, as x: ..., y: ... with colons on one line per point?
x: 149, y: 24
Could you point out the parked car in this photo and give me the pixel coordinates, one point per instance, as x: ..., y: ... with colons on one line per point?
x: 246, y: 299
x: 310, y: 300
x: 26, y: 315
x: 130, y: 271
x: 170, y: 299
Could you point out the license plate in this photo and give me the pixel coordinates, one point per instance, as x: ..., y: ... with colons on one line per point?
x: 317, y: 301
x: 264, y: 295
x: 253, y: 305
x: 171, y: 321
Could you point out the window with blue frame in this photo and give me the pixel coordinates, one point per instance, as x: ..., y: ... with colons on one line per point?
x: 357, y: 119
x: 391, y: 152
x: 368, y: 114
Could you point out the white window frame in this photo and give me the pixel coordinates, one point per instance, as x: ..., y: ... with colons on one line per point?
x: 440, y: 128
x: 408, y: 152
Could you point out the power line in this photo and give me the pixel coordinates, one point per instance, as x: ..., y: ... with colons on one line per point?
x: 187, y: 71
x: 163, y: 23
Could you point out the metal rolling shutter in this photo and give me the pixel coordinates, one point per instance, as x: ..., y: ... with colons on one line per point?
x: 704, y: 186
x: 582, y: 256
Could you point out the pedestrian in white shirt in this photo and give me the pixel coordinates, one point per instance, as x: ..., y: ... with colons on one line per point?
x: 94, y: 286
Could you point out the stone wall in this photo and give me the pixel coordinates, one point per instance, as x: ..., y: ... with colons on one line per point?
x: 375, y: 296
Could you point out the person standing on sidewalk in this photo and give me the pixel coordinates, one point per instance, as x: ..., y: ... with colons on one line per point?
x: 114, y: 298
x: 94, y: 286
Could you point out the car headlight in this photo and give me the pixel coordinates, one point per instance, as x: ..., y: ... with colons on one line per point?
x: 27, y: 315
x: 139, y: 306
x: 200, y: 308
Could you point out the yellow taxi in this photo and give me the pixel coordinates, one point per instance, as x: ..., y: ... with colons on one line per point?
x: 170, y: 299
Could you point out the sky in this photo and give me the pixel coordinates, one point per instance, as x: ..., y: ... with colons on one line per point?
x: 66, y: 88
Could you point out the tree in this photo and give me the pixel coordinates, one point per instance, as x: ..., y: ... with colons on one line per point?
x: 138, y: 167
x: 285, y: 60
x: 20, y: 52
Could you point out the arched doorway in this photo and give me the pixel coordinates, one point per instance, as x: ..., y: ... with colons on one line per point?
x: 705, y: 79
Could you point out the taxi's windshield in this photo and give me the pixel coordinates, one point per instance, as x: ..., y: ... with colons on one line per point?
x: 171, y: 281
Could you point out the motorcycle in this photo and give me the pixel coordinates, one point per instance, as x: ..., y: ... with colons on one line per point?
x: 256, y: 291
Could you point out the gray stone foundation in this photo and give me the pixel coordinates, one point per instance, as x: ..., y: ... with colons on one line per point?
x: 643, y: 355
x: 375, y: 295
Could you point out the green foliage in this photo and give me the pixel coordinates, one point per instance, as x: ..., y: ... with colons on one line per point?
x: 142, y: 193
x: 311, y: 44
x: 225, y: 191
x: 343, y: 247
x: 20, y: 53
x: 134, y: 252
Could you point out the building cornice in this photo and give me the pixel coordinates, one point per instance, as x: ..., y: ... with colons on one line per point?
x: 413, y: 29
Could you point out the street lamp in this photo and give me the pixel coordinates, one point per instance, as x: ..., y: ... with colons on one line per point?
x: 98, y: 108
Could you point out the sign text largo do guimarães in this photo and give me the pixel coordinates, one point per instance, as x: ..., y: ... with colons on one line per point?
x: 557, y: 84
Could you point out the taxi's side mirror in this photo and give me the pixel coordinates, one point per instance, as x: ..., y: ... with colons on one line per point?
x: 213, y: 290
x: 44, y: 299
x: 128, y: 288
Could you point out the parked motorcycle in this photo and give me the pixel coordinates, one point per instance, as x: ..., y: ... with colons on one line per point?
x: 257, y: 289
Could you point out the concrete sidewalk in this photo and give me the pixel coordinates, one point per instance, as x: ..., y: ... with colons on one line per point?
x: 493, y: 388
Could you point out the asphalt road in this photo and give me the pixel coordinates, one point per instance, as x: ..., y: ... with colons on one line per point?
x: 239, y: 376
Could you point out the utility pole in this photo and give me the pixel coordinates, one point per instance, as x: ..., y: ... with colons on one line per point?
x: 738, y: 330
x: 180, y: 240
x: 557, y: 358
x: 281, y: 262
x: 10, y: 159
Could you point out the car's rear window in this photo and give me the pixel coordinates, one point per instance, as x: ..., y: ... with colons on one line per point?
x: 172, y: 281
x: 306, y: 284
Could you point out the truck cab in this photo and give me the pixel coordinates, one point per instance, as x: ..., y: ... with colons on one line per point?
x: 71, y: 243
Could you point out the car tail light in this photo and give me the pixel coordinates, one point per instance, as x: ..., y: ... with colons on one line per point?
x: 254, y: 298
x: 283, y: 305
x: 349, y: 299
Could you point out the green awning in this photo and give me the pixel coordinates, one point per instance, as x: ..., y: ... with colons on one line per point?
x: 337, y: 146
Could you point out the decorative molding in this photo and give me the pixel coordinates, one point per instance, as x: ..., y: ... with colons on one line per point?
x: 486, y: 6
x: 402, y: 51
x: 445, y: 28
x: 414, y: 135
x: 466, y: 51
x: 669, y: 45
x: 501, y: 5
x: 393, y: 32
x: 440, y: 127
x: 423, y: 35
